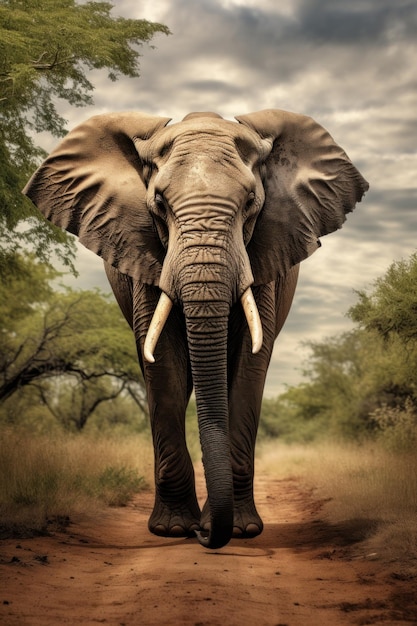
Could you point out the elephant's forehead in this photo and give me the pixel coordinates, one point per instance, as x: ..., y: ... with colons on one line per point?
x: 203, y: 123
x: 202, y: 172
x: 213, y: 135
x: 217, y: 131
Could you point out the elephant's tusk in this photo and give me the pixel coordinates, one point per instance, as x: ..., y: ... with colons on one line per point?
x: 159, y: 318
x: 253, y: 319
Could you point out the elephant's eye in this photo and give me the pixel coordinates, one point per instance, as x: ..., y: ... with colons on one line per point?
x: 249, y: 215
x: 250, y: 200
x: 160, y: 203
x: 160, y: 207
x: 158, y: 211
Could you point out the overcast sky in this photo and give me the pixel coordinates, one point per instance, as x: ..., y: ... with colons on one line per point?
x: 350, y: 64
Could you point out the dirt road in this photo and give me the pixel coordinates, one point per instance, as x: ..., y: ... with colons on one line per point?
x: 300, y: 571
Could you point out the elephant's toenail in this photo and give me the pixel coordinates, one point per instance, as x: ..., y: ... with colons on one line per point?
x: 252, y: 529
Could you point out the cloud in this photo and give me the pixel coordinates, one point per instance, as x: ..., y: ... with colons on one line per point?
x: 351, y: 65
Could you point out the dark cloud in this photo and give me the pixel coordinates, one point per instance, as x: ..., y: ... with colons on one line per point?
x: 356, y: 22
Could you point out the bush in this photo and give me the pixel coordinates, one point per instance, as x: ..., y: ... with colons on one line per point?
x: 116, y: 485
x: 396, y: 426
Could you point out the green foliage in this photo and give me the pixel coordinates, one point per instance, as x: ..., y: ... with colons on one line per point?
x: 47, y: 52
x: 73, y: 347
x: 391, y: 308
x: 121, y: 415
x: 115, y: 485
x: 332, y: 403
x: 286, y: 417
x: 389, y: 312
x: 362, y: 383
x: 24, y: 286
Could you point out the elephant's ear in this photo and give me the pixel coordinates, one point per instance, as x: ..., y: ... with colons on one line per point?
x: 310, y: 184
x: 92, y: 185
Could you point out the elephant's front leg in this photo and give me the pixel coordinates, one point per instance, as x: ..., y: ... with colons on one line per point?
x: 247, y: 373
x: 176, y: 512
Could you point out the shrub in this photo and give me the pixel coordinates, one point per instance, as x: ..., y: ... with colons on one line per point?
x: 397, y: 426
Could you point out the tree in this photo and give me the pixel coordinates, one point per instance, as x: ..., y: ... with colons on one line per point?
x: 79, y: 336
x: 390, y: 312
x: 46, y: 51
x: 73, y: 397
x: 337, y: 372
x: 391, y: 308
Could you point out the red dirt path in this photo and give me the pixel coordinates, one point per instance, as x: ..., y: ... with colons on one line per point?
x: 300, y: 571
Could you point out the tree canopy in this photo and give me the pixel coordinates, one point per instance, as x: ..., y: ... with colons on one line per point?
x: 78, y: 338
x: 391, y: 308
x: 47, y: 50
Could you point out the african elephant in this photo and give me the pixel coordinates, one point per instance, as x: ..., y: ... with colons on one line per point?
x: 202, y: 225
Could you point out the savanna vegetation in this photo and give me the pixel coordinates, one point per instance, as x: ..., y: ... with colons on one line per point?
x: 68, y: 365
x: 348, y: 432
x: 68, y: 351
x: 362, y: 384
x: 351, y: 428
x: 367, y: 490
x: 48, y: 478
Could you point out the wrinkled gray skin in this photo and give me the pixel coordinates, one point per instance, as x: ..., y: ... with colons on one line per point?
x: 201, y: 210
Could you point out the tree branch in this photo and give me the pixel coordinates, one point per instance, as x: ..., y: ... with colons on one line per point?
x: 38, y: 65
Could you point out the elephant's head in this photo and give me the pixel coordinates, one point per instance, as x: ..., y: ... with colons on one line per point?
x: 204, y: 209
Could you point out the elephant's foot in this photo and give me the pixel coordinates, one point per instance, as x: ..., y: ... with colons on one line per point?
x: 174, y: 520
x: 246, y: 520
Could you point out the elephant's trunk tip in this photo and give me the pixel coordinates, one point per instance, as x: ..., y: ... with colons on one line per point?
x: 208, y: 540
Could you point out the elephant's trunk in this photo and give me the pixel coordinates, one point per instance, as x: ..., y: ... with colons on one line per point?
x: 207, y: 341
x: 207, y: 287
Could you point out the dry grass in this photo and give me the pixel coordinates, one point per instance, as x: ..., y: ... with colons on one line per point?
x: 44, y: 479
x: 359, y: 483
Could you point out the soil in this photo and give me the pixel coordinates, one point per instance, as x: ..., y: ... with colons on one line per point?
x: 111, y: 570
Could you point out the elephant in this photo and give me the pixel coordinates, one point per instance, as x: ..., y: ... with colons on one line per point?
x: 202, y: 225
